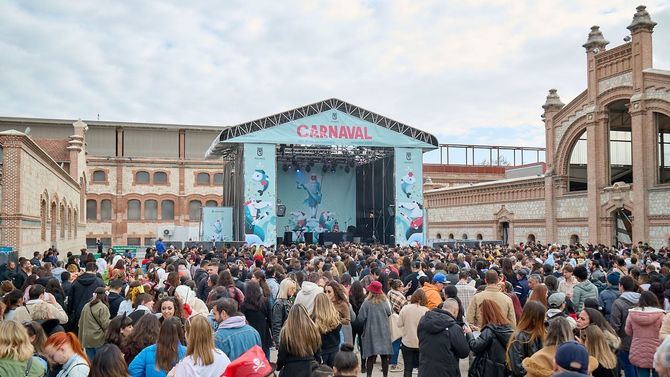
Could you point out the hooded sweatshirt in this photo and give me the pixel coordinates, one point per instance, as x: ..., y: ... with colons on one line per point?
x: 644, y: 324
x: 187, y: 296
x: 441, y: 344
x: 307, y: 294
x: 81, y: 293
x: 581, y: 291
x: 626, y: 301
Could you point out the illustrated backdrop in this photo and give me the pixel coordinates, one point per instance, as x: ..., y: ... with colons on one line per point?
x: 217, y: 224
x: 260, y: 194
x: 409, y: 213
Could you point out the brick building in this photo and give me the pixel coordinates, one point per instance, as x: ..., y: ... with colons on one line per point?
x: 607, y: 156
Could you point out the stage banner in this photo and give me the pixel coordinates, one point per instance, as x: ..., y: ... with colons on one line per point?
x: 317, y: 201
x: 260, y: 194
x: 217, y: 224
x: 408, y: 180
x: 332, y: 127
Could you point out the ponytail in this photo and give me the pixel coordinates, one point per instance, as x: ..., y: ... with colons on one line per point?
x: 58, y: 339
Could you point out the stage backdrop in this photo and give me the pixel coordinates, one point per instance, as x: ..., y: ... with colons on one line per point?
x: 316, y: 202
x: 217, y: 224
x: 260, y: 194
x: 409, y: 196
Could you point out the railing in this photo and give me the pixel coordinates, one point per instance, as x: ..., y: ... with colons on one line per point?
x: 489, y: 155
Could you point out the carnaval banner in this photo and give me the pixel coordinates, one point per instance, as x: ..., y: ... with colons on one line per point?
x: 317, y: 201
x: 408, y: 181
x: 217, y: 224
x: 260, y: 194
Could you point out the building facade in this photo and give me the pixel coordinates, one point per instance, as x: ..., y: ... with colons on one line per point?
x: 607, y: 174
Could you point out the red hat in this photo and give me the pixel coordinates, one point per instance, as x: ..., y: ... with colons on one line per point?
x: 250, y: 364
x: 258, y: 257
x: 375, y: 287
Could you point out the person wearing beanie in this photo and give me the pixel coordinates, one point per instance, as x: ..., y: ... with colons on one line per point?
x: 610, y: 293
x: 433, y: 291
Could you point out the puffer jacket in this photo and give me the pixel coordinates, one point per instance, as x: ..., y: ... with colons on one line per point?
x: 520, y: 349
x: 278, y: 317
x: 581, y: 291
x: 644, y: 325
x: 489, y: 349
x: 441, y: 344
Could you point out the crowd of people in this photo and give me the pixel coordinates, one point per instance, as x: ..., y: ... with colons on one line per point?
x: 531, y: 310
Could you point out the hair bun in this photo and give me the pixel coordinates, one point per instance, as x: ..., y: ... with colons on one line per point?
x: 346, y: 347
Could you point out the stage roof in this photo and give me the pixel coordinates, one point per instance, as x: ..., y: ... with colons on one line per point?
x: 329, y: 122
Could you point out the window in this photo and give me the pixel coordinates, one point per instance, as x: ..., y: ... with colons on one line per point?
x: 142, y: 177
x: 167, y: 210
x: 63, y: 219
x: 99, y: 176
x: 479, y: 237
x: 202, y: 179
x: 134, y: 241
x: 90, y: 242
x: 663, y: 127
x: 574, y: 239
x: 43, y: 220
x: 451, y: 236
x: 106, y: 209
x: 218, y: 179
x: 194, y: 207
x: 530, y: 238
x: 211, y: 203
x: 91, y: 210
x: 464, y: 236
x: 134, y: 209
x: 577, y: 178
x: 439, y: 236
x: 150, y: 210
x: 149, y: 240
x: 621, y: 146
x: 160, y: 178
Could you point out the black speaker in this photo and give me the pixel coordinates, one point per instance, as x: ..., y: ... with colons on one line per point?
x: 309, y: 237
x: 288, y: 238
x: 281, y: 210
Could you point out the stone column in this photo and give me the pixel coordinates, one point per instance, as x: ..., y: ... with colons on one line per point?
x: 551, y: 107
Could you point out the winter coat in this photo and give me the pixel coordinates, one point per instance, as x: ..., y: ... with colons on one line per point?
x: 80, y: 294
x: 521, y: 348
x: 625, y: 302
x: 259, y: 319
x: 279, y: 315
x: 93, y: 324
x: 522, y: 290
x: 541, y: 364
x: 376, y: 338
x: 306, y: 295
x: 581, y: 291
x: 39, y: 309
x: 607, y: 298
x: 489, y: 349
x: 115, y: 301
x: 433, y: 295
x: 644, y: 324
x: 493, y: 293
x: 441, y: 344
x: 11, y: 367
x: 408, y: 321
x: 144, y: 364
x: 294, y: 366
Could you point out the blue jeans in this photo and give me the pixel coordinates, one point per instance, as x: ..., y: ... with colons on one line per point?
x: 90, y: 353
x: 624, y: 363
x: 646, y: 372
x: 396, y: 351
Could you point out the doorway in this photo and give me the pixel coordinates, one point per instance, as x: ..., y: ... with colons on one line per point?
x: 623, y: 227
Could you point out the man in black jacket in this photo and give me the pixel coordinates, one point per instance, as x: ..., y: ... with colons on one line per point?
x: 114, y: 297
x: 441, y: 342
x: 81, y: 293
x: 628, y: 300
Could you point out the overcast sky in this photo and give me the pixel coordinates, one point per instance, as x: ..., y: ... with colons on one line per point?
x: 468, y: 71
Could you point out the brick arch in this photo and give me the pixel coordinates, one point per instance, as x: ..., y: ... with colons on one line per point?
x: 44, y: 215
x: 612, y: 95
x: 658, y: 106
x: 567, y: 144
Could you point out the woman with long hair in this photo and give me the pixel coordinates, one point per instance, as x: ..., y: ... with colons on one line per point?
x: 119, y: 329
x: 397, y: 299
x: 93, y: 322
x: 598, y: 347
x: 138, y: 340
x: 226, y: 280
x: 135, y: 288
x: 38, y: 339
x: 376, y: 339
x: 202, y: 358
x: 53, y: 287
x: 65, y: 350
x: 643, y: 325
x: 590, y: 316
x: 356, y: 298
x: 257, y: 312
x: 489, y: 347
x: 299, y: 342
x: 168, y: 307
x: 109, y: 362
x: 527, y: 338
x: 327, y: 320
x: 338, y: 296
x: 156, y: 360
x: 408, y: 321
x: 259, y: 277
x: 16, y: 352
x: 280, y: 310
x: 540, y: 295
x: 13, y: 300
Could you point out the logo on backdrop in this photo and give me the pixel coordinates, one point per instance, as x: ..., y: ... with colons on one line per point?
x: 259, y: 151
x: 408, y: 156
x: 334, y: 115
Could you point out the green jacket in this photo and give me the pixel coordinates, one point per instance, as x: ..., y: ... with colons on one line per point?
x: 93, y: 323
x: 10, y: 367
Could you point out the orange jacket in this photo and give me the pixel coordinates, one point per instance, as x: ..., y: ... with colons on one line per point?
x: 433, y: 295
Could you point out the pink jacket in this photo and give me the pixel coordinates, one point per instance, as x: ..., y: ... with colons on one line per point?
x: 644, y: 326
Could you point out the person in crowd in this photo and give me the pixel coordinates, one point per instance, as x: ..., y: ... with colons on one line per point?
x: 144, y: 303
x: 308, y: 291
x: 434, y: 291
x: 12, y: 301
x: 610, y: 294
x: 557, y: 309
x: 629, y: 299
x: 64, y: 349
x: 327, y: 320
x: 93, y: 322
x: 583, y: 289
x: 41, y: 305
x: 521, y: 288
x: 376, y: 339
x: 280, y: 310
x: 408, y: 320
x: 17, y: 357
x: 233, y: 335
x: 356, y: 299
x: 157, y: 359
x: 114, y: 297
x: 55, y: 289
x: 338, y: 296
x: 256, y: 310
x: 148, y: 328
x: 596, y: 343
x: 396, y: 296
x: 491, y: 292
x: 539, y: 294
x: 465, y: 290
x: 119, y: 329
x: 567, y: 284
x: 169, y: 307
x: 489, y: 347
x: 528, y: 337
x: 299, y: 342
x: 346, y: 362
x: 442, y: 341
x: 662, y: 359
x: 571, y: 360
x: 186, y: 296
x: 226, y: 280
x: 202, y: 358
x: 82, y: 290
x: 590, y: 316
x: 109, y: 362
x: 643, y: 325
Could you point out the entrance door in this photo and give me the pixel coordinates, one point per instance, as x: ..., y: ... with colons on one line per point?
x: 623, y: 227
x: 504, y: 232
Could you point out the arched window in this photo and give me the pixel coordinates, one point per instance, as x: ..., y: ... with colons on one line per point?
x: 54, y: 221
x: 464, y: 236
x: 451, y: 236
x: 150, y: 209
x: 479, y: 237
x: 574, y: 239
x: 194, y: 207
x: 218, y: 179
x: 76, y: 222
x: 621, y: 145
x: 439, y: 236
x: 63, y: 220
x: 99, y: 176
x: 91, y: 210
x: 134, y: 209
x: 211, y: 203
x: 167, y: 210
x: 530, y: 238
x: 43, y: 220
x: 142, y: 177
x: 69, y: 223
x: 577, y: 178
x: 663, y: 131
x: 160, y: 178
x: 202, y: 179
x: 106, y: 209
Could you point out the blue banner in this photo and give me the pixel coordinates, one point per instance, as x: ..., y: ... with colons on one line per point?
x: 217, y: 224
x: 260, y: 194
x: 408, y: 181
